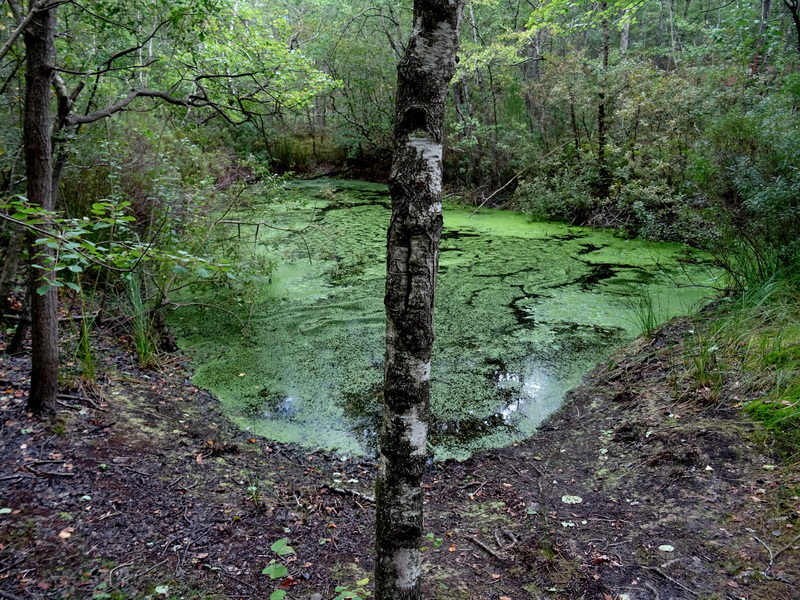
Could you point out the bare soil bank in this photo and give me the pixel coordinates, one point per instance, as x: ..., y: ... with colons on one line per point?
x: 639, y: 488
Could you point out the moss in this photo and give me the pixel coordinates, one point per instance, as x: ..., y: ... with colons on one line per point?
x: 522, y: 311
x: 780, y: 414
x: 785, y: 357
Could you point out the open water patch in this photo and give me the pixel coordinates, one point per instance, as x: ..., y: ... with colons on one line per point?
x: 522, y: 311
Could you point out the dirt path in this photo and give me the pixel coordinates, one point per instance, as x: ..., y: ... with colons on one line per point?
x: 625, y: 493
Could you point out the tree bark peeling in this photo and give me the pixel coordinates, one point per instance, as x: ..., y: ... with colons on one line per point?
x: 412, y: 260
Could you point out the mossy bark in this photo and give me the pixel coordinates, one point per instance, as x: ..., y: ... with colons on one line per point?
x: 415, y: 184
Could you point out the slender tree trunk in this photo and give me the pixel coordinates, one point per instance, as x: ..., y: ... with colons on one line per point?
x: 10, y: 268
x: 412, y: 256
x: 760, y: 58
x: 625, y: 37
x: 602, y: 124
x: 18, y: 339
x: 39, y: 73
x: 794, y: 10
x: 576, y: 133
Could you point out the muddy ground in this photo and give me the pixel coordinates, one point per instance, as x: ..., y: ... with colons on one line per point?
x: 641, y: 487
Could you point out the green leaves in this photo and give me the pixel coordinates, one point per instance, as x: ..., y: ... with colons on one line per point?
x: 275, y: 571
x: 102, y: 241
x: 359, y: 593
x: 282, y: 548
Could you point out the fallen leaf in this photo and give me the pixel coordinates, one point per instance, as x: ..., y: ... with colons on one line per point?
x: 571, y: 499
x: 495, y: 576
x: 452, y: 548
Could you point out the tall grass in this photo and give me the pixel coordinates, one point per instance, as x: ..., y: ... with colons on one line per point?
x: 142, y: 330
x: 644, y: 311
x: 748, y: 354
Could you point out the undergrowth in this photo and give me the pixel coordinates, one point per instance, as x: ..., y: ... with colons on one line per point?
x: 750, y: 348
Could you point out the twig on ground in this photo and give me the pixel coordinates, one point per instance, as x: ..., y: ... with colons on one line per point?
x: 11, y: 566
x: 483, y: 546
x: 786, y: 547
x: 768, y: 549
x: 135, y: 471
x: 479, y: 484
x: 250, y: 585
x: 676, y: 582
x: 652, y: 588
x: 101, y: 427
x: 111, y: 572
x: 153, y: 568
x: 86, y: 399
x: 345, y: 492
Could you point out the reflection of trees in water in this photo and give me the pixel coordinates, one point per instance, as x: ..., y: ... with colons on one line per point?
x: 269, y: 405
x: 364, y: 410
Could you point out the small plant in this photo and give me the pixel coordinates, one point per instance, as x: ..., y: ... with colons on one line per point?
x: 706, y: 373
x: 142, y: 332
x: 254, y: 494
x: 435, y: 542
x: 277, y: 570
x: 358, y: 593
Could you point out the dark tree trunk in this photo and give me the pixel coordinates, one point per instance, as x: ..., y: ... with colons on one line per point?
x: 39, y: 73
x: 604, y: 179
x: 10, y: 268
x: 18, y: 339
x: 412, y: 259
x: 760, y: 58
x: 794, y: 11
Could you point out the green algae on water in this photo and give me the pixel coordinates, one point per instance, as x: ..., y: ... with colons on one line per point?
x: 522, y: 311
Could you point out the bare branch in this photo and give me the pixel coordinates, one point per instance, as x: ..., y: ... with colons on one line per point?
x: 106, y: 70
x: 40, y: 5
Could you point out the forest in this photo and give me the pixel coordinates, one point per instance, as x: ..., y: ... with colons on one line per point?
x: 197, y: 378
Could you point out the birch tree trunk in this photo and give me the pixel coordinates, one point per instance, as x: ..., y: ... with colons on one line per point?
x: 39, y: 72
x: 412, y: 259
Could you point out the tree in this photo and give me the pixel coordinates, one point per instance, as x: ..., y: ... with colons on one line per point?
x: 114, y: 58
x: 39, y: 72
x: 412, y: 253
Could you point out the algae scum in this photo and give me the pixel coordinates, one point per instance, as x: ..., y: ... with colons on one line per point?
x: 522, y: 311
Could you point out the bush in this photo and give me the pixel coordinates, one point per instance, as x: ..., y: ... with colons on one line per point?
x: 749, y: 174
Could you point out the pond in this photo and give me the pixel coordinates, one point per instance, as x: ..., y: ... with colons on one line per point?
x: 523, y: 310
